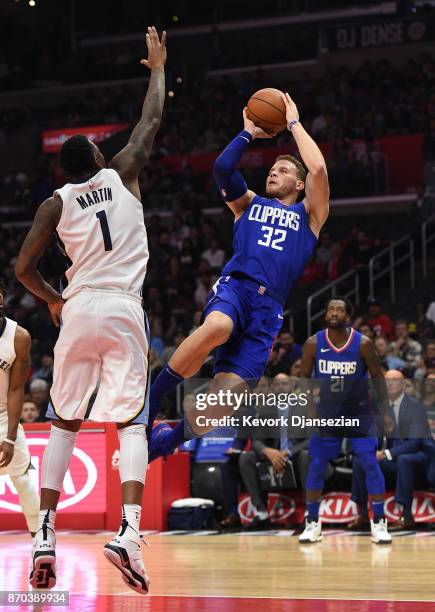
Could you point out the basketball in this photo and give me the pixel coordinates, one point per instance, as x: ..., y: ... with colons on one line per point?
x: 266, y: 109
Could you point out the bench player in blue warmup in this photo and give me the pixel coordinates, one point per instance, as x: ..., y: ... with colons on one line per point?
x: 274, y: 236
x: 340, y: 359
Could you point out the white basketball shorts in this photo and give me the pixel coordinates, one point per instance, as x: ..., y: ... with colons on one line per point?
x: 21, y: 459
x: 102, y: 349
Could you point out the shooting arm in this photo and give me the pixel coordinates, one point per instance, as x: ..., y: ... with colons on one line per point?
x: 45, y: 223
x: 18, y: 376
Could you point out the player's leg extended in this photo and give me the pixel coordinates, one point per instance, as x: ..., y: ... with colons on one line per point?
x: 321, y: 450
x: 55, y: 463
x: 190, y: 356
x: 365, y: 449
x: 124, y: 550
x: 29, y: 500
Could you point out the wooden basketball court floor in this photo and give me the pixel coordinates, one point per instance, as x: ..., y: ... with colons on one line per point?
x: 238, y: 572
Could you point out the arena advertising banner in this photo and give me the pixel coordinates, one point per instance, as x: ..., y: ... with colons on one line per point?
x: 336, y: 508
x: 84, y: 487
x: 52, y: 140
x: 383, y: 33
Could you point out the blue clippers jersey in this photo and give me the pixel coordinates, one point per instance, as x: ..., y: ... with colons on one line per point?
x: 342, y: 372
x: 271, y: 244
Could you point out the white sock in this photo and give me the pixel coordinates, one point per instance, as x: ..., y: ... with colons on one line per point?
x: 29, y: 500
x: 131, y: 513
x: 48, y: 517
x: 57, y: 456
x: 133, y: 453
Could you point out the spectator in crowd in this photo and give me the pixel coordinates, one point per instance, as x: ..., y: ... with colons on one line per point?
x: 366, y: 330
x: 428, y: 398
x: 45, y: 372
x: 313, y: 271
x: 391, y: 362
x: 30, y: 412
x: 379, y: 321
x: 427, y: 361
x: 214, y: 255
x: 339, y: 263
x: 405, y: 347
x: 410, y: 389
x: 285, y: 352
x: 295, y: 370
x: 428, y: 390
x: 405, y: 456
x: 425, y: 329
x: 323, y: 251
x: 39, y: 395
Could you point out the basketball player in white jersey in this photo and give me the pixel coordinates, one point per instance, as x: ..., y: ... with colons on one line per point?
x: 98, y: 219
x: 14, y: 453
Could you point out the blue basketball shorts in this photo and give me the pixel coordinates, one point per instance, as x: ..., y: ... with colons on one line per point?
x: 257, y: 318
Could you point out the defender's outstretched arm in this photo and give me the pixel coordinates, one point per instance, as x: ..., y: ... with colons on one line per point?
x: 133, y: 157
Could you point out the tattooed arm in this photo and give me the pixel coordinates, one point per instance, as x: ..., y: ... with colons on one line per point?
x: 133, y: 157
x: 26, y: 268
x: 18, y: 376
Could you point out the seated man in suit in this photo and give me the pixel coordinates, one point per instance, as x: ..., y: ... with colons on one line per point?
x: 406, y: 457
x: 275, y: 447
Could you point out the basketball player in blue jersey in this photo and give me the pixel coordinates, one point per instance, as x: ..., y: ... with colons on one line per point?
x: 341, y: 358
x: 273, y: 238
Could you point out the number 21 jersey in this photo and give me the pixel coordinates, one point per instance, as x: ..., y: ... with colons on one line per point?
x: 102, y: 233
x: 271, y: 244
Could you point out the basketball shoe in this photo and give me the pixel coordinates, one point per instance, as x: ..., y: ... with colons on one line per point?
x: 43, y: 568
x: 380, y: 533
x: 124, y: 552
x: 312, y: 532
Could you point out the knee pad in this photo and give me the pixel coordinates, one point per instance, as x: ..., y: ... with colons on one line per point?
x: 316, y: 474
x: 133, y: 453
x: 375, y: 480
x: 57, y: 456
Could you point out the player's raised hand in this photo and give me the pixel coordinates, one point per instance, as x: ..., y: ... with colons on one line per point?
x: 156, y: 49
x: 292, y: 113
x: 6, y: 453
x: 254, y: 130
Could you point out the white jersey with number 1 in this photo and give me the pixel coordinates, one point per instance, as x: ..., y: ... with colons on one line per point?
x: 102, y: 233
x: 103, y: 342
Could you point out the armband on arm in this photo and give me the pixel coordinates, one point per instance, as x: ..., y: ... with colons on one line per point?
x: 231, y: 183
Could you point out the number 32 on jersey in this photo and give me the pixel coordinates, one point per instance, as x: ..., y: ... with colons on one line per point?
x: 272, y: 237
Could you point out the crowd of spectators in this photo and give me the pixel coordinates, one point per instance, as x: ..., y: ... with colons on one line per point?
x: 372, y: 100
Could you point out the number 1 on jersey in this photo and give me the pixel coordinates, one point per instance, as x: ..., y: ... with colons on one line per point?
x: 105, y: 229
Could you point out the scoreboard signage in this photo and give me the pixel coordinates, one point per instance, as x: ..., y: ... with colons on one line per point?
x: 379, y: 34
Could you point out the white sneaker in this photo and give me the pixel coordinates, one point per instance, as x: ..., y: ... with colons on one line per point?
x: 380, y: 533
x: 312, y: 532
x: 43, y: 567
x: 124, y: 551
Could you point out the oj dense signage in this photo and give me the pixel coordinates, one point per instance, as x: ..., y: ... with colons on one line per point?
x: 52, y: 140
